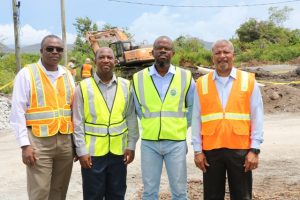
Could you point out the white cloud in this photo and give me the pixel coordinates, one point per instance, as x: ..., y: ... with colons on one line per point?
x: 7, y: 34
x: 28, y: 35
x: 206, y: 24
x: 221, y: 25
x: 151, y: 25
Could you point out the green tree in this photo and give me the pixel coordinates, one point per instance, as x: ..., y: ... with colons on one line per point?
x: 81, y: 46
x: 249, y: 31
x: 279, y: 16
x: 190, y: 51
x: 267, y: 40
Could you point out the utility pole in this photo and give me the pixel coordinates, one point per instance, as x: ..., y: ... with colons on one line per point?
x: 16, y: 18
x: 63, y: 29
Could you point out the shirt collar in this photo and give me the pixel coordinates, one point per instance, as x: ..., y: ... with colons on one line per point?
x: 60, y: 68
x: 232, y: 74
x: 98, y: 80
x: 153, y: 71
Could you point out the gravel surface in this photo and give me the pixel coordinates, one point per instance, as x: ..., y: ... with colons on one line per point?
x: 5, y: 106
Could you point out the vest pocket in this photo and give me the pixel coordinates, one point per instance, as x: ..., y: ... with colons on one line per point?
x: 241, y: 130
x: 207, y: 129
x: 116, y: 143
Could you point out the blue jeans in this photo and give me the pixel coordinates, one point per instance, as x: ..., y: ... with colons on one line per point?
x: 173, y: 153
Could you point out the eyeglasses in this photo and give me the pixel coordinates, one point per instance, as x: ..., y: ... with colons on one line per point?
x: 51, y: 49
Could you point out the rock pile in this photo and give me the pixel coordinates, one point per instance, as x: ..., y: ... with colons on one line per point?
x: 5, y: 106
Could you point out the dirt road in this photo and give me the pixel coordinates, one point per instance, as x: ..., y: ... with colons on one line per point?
x: 277, y: 68
x: 277, y: 178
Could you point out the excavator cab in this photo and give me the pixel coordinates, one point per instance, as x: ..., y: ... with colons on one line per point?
x: 119, y: 47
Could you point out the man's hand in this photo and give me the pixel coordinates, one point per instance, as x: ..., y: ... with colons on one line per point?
x: 251, y: 161
x: 76, y: 158
x: 86, y: 161
x: 128, y: 156
x: 200, y: 161
x: 29, y: 157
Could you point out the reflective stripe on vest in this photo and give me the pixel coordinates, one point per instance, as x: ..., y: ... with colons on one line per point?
x: 50, y: 110
x: 229, y: 127
x: 226, y: 115
x: 86, y: 70
x: 105, y: 130
x: 47, y: 115
x: 163, y: 120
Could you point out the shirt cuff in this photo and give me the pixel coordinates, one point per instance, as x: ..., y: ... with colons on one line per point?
x: 197, y: 146
x: 23, y: 141
x: 81, y: 151
x: 255, y: 144
x: 131, y: 146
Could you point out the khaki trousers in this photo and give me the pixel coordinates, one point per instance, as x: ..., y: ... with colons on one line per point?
x: 49, y: 178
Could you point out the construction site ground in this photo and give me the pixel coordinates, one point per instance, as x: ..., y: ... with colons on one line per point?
x: 278, y: 175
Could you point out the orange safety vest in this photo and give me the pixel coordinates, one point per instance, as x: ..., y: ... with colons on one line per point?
x: 50, y: 106
x: 86, y: 70
x: 71, y: 69
x: 229, y: 128
x: 73, y: 72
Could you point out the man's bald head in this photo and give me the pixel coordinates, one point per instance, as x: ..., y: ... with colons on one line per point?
x: 228, y: 43
x: 163, y: 38
x: 104, y: 49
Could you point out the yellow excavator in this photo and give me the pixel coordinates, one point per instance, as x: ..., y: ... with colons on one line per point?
x: 128, y: 56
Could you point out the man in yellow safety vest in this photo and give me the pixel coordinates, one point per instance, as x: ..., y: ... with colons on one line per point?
x: 164, y: 100
x: 106, y: 129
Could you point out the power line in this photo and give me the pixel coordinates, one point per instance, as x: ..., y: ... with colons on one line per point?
x: 204, y: 6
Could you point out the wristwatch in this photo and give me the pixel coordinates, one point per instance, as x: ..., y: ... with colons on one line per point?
x: 256, y: 151
x: 197, y: 152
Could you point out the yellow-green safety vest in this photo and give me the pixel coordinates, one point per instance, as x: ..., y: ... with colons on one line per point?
x: 105, y: 130
x: 163, y: 120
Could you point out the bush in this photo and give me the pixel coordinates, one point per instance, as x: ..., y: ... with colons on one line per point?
x: 8, y: 68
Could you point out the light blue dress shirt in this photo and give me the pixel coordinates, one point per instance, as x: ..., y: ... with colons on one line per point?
x: 224, y: 85
x: 162, y: 84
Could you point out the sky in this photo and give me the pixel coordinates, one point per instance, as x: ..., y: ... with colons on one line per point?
x: 39, y: 18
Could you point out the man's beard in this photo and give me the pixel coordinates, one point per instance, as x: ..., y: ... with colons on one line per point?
x: 163, y: 63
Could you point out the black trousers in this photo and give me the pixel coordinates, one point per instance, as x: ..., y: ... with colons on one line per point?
x: 230, y: 161
x: 106, y: 179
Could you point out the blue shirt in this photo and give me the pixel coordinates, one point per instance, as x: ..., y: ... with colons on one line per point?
x: 224, y: 85
x: 162, y: 84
